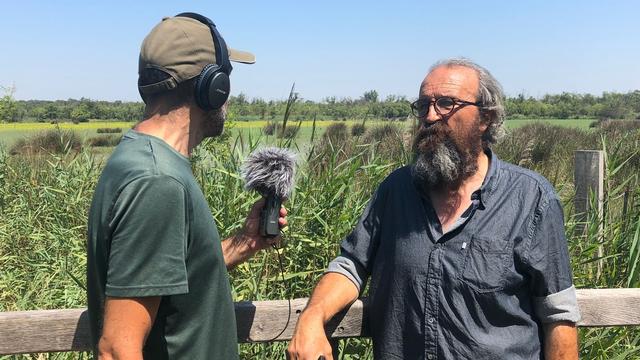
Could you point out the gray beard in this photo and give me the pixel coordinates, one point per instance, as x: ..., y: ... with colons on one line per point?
x: 443, y: 167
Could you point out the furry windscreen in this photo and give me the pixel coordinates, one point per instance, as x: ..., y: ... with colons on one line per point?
x: 270, y: 171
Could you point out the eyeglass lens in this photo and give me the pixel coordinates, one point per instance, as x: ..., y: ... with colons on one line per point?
x: 443, y: 106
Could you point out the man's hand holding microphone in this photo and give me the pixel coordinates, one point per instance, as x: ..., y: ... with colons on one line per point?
x: 269, y: 171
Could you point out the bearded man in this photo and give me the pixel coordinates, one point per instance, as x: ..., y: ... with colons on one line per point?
x: 466, y: 253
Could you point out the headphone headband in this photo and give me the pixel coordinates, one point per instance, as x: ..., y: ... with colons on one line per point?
x: 219, y: 45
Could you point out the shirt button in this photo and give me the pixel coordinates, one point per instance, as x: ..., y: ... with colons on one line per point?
x: 430, y: 356
x: 430, y: 320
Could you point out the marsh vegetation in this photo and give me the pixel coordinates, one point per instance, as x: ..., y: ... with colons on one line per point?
x: 45, y: 196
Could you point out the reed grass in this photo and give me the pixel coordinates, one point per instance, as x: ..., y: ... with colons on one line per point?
x: 44, y: 202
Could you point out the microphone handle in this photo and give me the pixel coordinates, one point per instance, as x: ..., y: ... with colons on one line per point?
x: 269, y: 226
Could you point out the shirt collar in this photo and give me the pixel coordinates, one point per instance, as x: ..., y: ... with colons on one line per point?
x: 490, y: 179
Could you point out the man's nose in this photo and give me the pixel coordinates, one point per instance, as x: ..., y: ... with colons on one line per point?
x: 432, y: 115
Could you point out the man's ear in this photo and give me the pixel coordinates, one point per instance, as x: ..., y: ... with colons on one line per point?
x: 483, y: 115
x: 485, y: 118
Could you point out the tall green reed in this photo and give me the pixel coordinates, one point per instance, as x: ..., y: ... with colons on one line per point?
x: 45, y: 199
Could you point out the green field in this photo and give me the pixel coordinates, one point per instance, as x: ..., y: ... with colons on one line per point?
x: 10, y: 133
x: 574, y: 123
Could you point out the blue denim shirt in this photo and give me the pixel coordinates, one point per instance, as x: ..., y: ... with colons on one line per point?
x: 481, y: 290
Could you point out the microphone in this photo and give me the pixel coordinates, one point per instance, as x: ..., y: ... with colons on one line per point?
x: 270, y: 172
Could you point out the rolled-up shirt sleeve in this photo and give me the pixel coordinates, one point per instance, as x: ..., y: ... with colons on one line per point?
x: 554, y: 296
x: 344, y: 265
x: 560, y: 306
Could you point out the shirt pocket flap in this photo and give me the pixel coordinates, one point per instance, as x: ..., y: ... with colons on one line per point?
x: 485, y: 262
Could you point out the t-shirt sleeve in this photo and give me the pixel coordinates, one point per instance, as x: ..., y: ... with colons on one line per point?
x: 554, y: 296
x: 149, y: 235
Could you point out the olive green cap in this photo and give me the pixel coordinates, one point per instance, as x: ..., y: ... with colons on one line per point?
x: 181, y: 47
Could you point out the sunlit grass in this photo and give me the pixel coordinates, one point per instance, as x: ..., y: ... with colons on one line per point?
x: 259, y: 124
x: 37, y: 126
x: 573, y: 123
x: 44, y: 202
x: 12, y: 132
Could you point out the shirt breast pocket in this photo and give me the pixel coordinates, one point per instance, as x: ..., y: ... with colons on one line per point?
x: 485, y: 263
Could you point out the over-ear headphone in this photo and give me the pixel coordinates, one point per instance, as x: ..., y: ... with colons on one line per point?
x: 212, y: 85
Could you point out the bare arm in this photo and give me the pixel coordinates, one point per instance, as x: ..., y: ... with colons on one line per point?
x: 237, y: 249
x: 560, y: 341
x: 333, y: 293
x: 127, y: 322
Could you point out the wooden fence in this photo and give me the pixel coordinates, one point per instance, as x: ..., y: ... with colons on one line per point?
x: 267, y: 321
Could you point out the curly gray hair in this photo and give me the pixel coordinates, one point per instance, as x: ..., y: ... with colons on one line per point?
x: 490, y: 94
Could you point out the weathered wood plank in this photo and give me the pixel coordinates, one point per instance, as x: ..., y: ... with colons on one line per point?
x: 44, y: 331
x: 265, y: 321
x: 609, y: 307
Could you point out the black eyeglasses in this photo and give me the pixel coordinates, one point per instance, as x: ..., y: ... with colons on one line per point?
x: 444, y: 105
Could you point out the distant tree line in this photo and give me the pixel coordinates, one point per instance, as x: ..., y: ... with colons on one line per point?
x: 330, y: 108
x: 369, y: 105
x: 568, y: 105
x: 74, y: 110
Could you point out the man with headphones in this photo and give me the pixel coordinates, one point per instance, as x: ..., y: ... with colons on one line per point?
x: 157, y: 279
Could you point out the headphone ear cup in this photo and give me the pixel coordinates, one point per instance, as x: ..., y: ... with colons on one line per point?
x: 212, y: 88
x: 218, y: 92
x: 201, y: 87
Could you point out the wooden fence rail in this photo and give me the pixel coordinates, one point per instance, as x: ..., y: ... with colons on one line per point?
x: 266, y: 321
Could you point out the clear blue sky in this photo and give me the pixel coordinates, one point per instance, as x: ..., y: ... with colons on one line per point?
x: 70, y: 49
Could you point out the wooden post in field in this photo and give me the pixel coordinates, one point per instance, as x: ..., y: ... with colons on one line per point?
x: 589, y: 183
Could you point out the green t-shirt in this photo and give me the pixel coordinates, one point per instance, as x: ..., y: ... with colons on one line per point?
x: 151, y: 233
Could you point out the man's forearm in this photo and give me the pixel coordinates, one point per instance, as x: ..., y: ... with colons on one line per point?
x: 127, y: 323
x: 235, y: 250
x: 560, y: 341
x: 333, y: 293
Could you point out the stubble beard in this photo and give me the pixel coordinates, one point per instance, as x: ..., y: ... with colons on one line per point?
x: 443, y: 159
x: 215, y: 122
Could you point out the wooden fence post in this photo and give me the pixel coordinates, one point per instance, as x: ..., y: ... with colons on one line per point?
x: 589, y: 183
